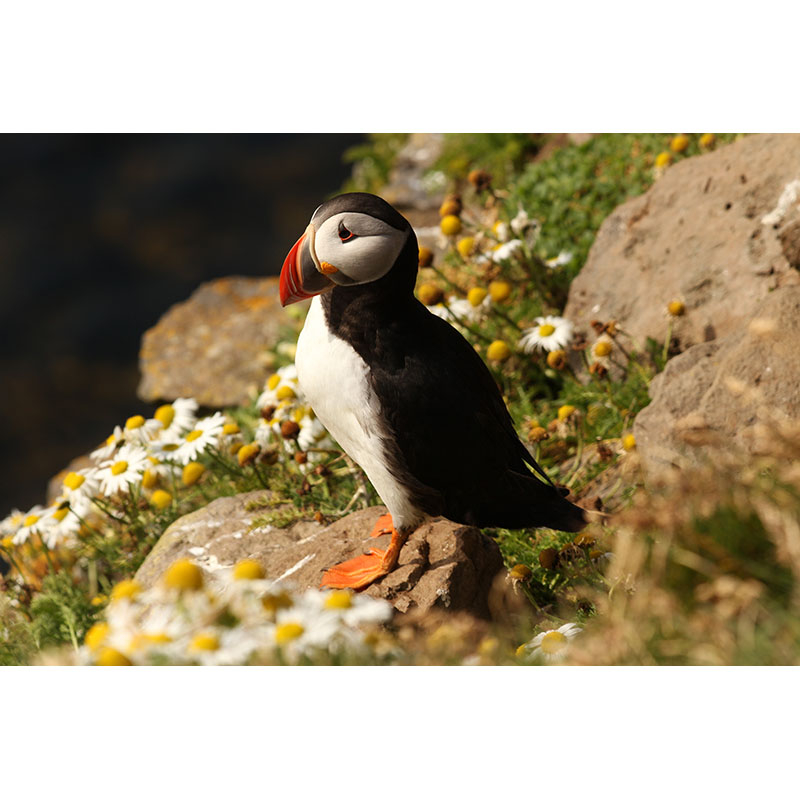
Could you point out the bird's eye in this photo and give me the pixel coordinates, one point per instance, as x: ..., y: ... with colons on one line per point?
x: 344, y: 234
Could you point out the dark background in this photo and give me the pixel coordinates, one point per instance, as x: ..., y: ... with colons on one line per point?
x: 99, y: 236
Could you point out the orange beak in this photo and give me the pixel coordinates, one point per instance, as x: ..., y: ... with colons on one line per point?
x: 300, y: 278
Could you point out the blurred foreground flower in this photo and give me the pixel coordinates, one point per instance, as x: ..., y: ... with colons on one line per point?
x: 551, y: 646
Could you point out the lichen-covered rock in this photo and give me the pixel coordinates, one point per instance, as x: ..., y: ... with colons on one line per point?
x: 442, y: 565
x: 716, y: 392
x: 718, y: 231
x: 215, y: 345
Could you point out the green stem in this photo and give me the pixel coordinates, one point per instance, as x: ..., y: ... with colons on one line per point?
x: 667, y: 343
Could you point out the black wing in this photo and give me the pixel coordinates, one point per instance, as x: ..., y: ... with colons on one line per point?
x: 449, y: 429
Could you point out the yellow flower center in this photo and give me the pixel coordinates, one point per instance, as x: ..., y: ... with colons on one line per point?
x: 273, y: 602
x: 190, y: 437
x: 676, y: 308
x: 134, y: 422
x: 184, y: 574
x: 61, y: 513
x: 339, y: 600
x: 247, y: 453
x: 98, y: 599
x: 248, y: 569
x: 31, y: 519
x: 286, y: 393
x: 160, y: 499
x: 165, y: 414
x: 149, y: 479
x: 288, y: 631
x: 192, y: 472
x: 127, y: 588
x: 521, y: 572
x: 553, y: 642
x: 111, y: 439
x: 273, y: 381
x: 547, y: 329
x: 74, y: 481
x: 7, y: 542
x: 96, y: 635
x: 465, y: 246
x: 118, y: 467
x: 143, y: 639
x: 204, y: 641
x: 109, y: 657
x: 602, y: 349
x: 450, y: 225
x: 230, y: 428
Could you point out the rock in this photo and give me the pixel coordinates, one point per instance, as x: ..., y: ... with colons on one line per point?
x: 214, y: 346
x: 442, y: 565
x: 406, y: 188
x: 715, y: 393
x: 699, y: 235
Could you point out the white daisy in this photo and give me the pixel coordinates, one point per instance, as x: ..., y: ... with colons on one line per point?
x: 207, y: 432
x: 521, y: 222
x: 177, y: 417
x: 282, y: 385
x: 80, y: 484
x: 302, y: 629
x: 440, y: 310
x: 464, y: 311
x: 125, y: 468
x: 562, y: 258
x: 551, y: 645
x: 505, y: 251
x: 551, y: 333
x: 34, y: 521
x: 12, y: 523
x: 106, y: 450
x: 65, y: 521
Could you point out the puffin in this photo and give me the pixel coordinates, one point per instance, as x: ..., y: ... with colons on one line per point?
x: 402, y: 391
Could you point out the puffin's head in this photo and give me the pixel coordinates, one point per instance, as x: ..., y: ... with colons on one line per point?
x: 352, y: 239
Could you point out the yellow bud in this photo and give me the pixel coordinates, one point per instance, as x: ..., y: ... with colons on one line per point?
x: 476, y: 295
x: 465, y: 246
x: 429, y: 294
x: 273, y: 381
x: 191, y: 473
x: 450, y: 207
x: 229, y: 428
x: 557, y: 359
x: 676, y: 308
x: 134, y: 422
x: 98, y: 600
x: 204, y: 641
x: 149, y: 479
x: 339, y: 599
x: 679, y: 143
x: 499, y: 291
x: 247, y: 453
x: 165, y: 414
x: 565, y: 412
x: 425, y: 256
x: 629, y: 441
x: 450, y: 225
x: 184, y: 574
x: 118, y: 467
x: 498, y: 350
x: 602, y: 348
x: 160, y: 499
x: 274, y: 602
x: 74, y: 481
x: 663, y: 159
x: 127, y: 588
x: 520, y: 572
x: 248, y: 569
x: 96, y: 635
x: 286, y: 393
x: 109, y: 657
x: 707, y: 140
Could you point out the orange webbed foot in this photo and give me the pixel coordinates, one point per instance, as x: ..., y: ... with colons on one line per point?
x: 359, y: 572
x: 383, y: 525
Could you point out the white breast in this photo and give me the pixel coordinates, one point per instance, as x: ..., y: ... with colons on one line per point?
x: 334, y: 378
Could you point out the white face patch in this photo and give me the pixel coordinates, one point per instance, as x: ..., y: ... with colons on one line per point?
x: 366, y: 255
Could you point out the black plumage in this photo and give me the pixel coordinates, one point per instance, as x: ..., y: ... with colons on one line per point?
x: 448, y: 436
